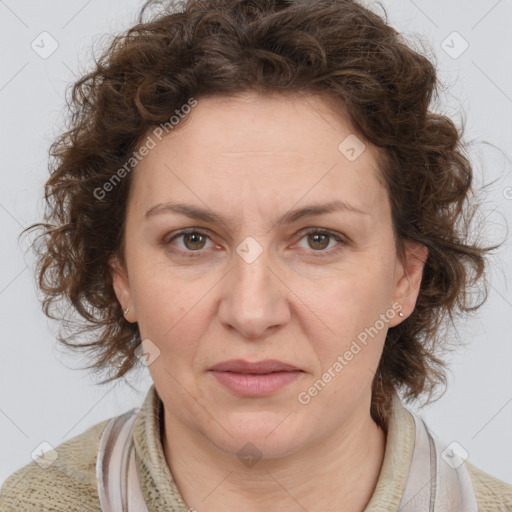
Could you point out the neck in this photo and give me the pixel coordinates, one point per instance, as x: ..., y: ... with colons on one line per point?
x: 341, y: 470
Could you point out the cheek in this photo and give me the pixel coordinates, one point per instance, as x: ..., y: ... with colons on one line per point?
x: 350, y: 347
x: 169, y: 312
x: 352, y: 297
x: 349, y: 315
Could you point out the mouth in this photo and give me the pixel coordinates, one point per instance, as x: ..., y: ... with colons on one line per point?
x: 255, y: 379
x: 266, y: 366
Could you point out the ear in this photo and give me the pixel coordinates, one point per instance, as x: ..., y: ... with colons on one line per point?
x: 408, y: 279
x: 121, y: 286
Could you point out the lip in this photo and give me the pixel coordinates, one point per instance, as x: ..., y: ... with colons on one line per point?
x: 258, y: 367
x: 256, y: 379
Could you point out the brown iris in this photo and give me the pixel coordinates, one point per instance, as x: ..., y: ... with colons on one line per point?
x: 315, y: 238
x: 197, y: 239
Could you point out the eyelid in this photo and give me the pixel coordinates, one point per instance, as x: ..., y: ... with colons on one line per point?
x: 341, y: 239
x: 166, y: 242
x: 185, y: 231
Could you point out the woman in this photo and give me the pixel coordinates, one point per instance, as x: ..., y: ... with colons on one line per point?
x: 255, y: 202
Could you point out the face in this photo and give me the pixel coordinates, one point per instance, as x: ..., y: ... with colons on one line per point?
x: 271, y: 273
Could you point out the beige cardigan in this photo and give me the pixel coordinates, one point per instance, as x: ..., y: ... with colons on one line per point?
x: 69, y: 483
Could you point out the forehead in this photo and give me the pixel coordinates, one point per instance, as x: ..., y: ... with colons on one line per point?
x: 282, y: 147
x: 302, y: 123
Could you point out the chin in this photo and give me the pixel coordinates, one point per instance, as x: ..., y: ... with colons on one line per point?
x: 267, y: 437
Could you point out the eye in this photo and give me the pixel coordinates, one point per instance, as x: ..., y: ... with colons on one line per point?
x: 318, y: 240
x: 193, y: 240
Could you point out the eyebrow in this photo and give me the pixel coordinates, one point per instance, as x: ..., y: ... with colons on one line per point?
x: 206, y: 215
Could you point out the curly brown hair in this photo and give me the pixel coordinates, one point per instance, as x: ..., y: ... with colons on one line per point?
x: 198, y: 48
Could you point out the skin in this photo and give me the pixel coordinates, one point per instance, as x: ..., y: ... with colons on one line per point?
x: 252, y: 158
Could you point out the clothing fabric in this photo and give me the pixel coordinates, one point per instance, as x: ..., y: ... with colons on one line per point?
x: 70, y: 483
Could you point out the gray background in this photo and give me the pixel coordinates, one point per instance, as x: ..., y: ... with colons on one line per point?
x: 45, y: 398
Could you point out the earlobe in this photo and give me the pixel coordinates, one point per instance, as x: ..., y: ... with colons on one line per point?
x: 121, y: 287
x: 408, y: 281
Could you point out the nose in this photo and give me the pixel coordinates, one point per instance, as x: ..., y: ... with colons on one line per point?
x: 254, y: 297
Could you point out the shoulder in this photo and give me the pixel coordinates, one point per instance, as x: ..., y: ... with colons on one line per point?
x: 64, y: 479
x: 492, y: 494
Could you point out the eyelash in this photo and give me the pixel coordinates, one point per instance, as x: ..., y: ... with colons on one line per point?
x: 196, y: 254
